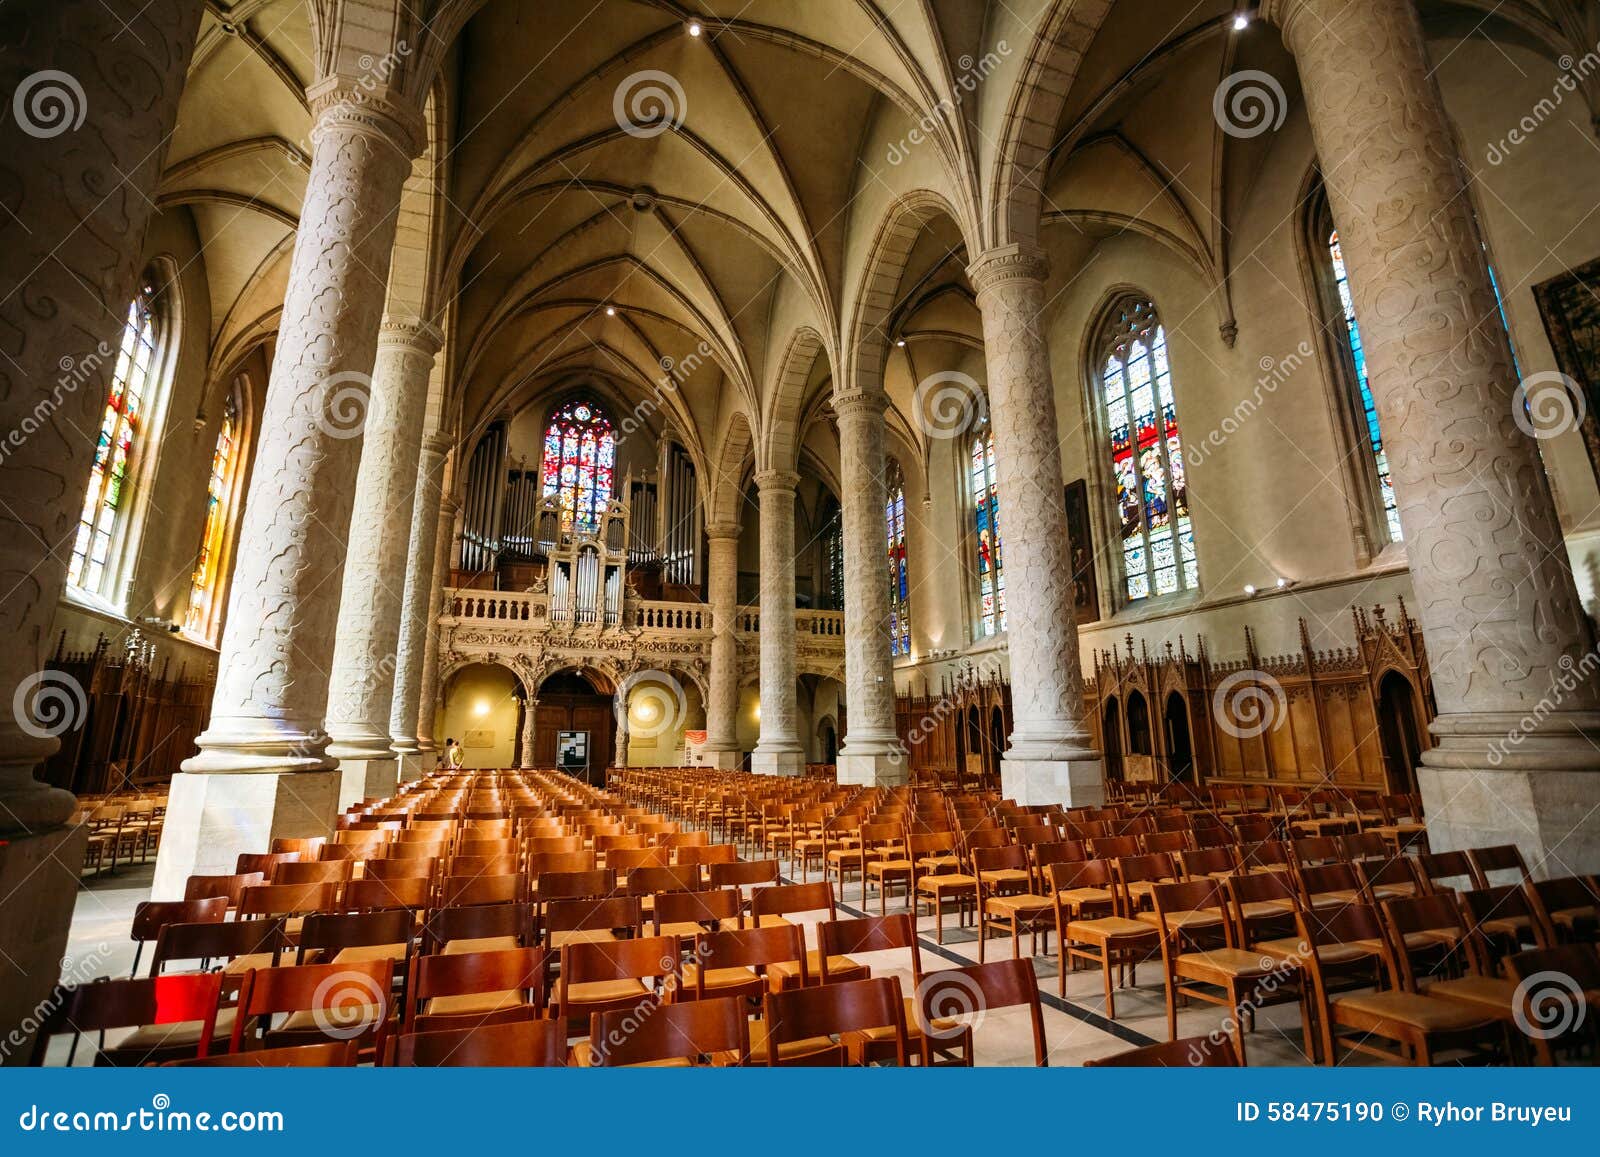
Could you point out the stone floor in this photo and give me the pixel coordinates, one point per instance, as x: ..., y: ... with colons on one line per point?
x: 1076, y: 1028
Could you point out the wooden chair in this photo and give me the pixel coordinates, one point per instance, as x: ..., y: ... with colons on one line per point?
x: 602, y: 976
x: 800, y: 1025
x: 589, y: 921
x: 734, y: 962
x: 1503, y: 920
x: 347, y: 938
x: 314, y: 872
x: 1500, y: 858
x: 838, y: 939
x: 472, y: 988
x: 411, y: 893
x: 687, y: 914
x: 263, y: 862
x: 1114, y: 940
x: 308, y: 847
x: 947, y: 997
x: 329, y: 1055
x: 1189, y: 1052
x: 174, y: 1017
x: 1447, y: 869
x: 294, y: 902
x: 791, y: 899
x: 1421, y: 1027
x: 478, y: 928
x: 1568, y: 907
x: 151, y: 916
x: 1005, y: 902
x: 230, y: 887
x: 460, y: 891
x: 668, y: 1034
x: 240, y: 944
x: 319, y: 1002
x: 514, y: 1044
x: 937, y: 878
x: 1558, y: 995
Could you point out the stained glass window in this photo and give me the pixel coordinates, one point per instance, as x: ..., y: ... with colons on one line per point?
x: 986, y: 523
x: 122, y: 427
x: 1369, y: 409
x: 1158, y: 553
x: 580, y: 459
x: 833, y: 550
x: 205, y: 587
x: 894, y: 517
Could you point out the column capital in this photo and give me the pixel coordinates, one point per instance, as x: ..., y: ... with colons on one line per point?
x: 421, y: 337
x: 722, y: 530
x: 859, y: 401
x: 437, y: 444
x: 775, y: 480
x: 339, y: 103
x: 1007, y: 264
x: 1286, y: 14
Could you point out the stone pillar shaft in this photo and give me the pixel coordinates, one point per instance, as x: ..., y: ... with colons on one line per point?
x: 530, y: 720
x: 416, y: 618
x: 277, y: 648
x: 722, y: 704
x: 366, y: 651
x: 778, y: 752
x: 428, y: 690
x: 1504, y: 628
x: 80, y: 164
x: 872, y: 752
x: 1049, y: 759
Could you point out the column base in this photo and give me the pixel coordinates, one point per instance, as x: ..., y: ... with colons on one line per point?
x: 38, y: 888
x: 879, y: 769
x: 364, y: 779
x: 212, y: 817
x: 1549, y: 814
x: 414, y: 764
x: 777, y: 762
x: 729, y: 760
x: 1069, y: 782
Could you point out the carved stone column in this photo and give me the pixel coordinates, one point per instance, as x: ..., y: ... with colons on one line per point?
x: 1508, y: 648
x: 722, y: 705
x: 428, y: 692
x: 530, y: 719
x: 778, y: 751
x: 872, y: 754
x: 619, y: 747
x: 262, y: 770
x: 1050, y: 759
x: 416, y: 618
x: 91, y: 97
x: 366, y: 654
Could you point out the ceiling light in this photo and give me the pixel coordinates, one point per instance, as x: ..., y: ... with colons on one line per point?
x: 1241, y: 21
x: 901, y: 343
x: 1249, y: 588
x: 694, y: 28
x: 611, y: 311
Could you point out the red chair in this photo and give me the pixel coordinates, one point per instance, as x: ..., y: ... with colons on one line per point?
x: 175, y: 1017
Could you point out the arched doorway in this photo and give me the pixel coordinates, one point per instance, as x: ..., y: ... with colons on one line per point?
x: 1180, y: 749
x: 1138, y: 725
x: 997, y: 743
x: 973, y: 764
x: 1111, y: 738
x: 828, y: 741
x: 576, y: 701
x: 1398, y: 732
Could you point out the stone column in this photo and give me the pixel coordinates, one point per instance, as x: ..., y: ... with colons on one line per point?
x: 262, y: 770
x: 619, y: 746
x: 530, y: 718
x: 872, y: 753
x: 366, y: 653
x: 722, y: 704
x: 1511, y: 659
x: 778, y: 752
x: 91, y: 97
x: 416, y: 617
x: 428, y: 691
x: 1050, y: 758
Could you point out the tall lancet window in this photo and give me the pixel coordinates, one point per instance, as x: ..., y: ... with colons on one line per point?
x: 1369, y: 408
x: 580, y: 458
x: 894, y: 517
x: 986, y: 528
x: 205, y: 589
x: 125, y: 436
x: 1141, y: 419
